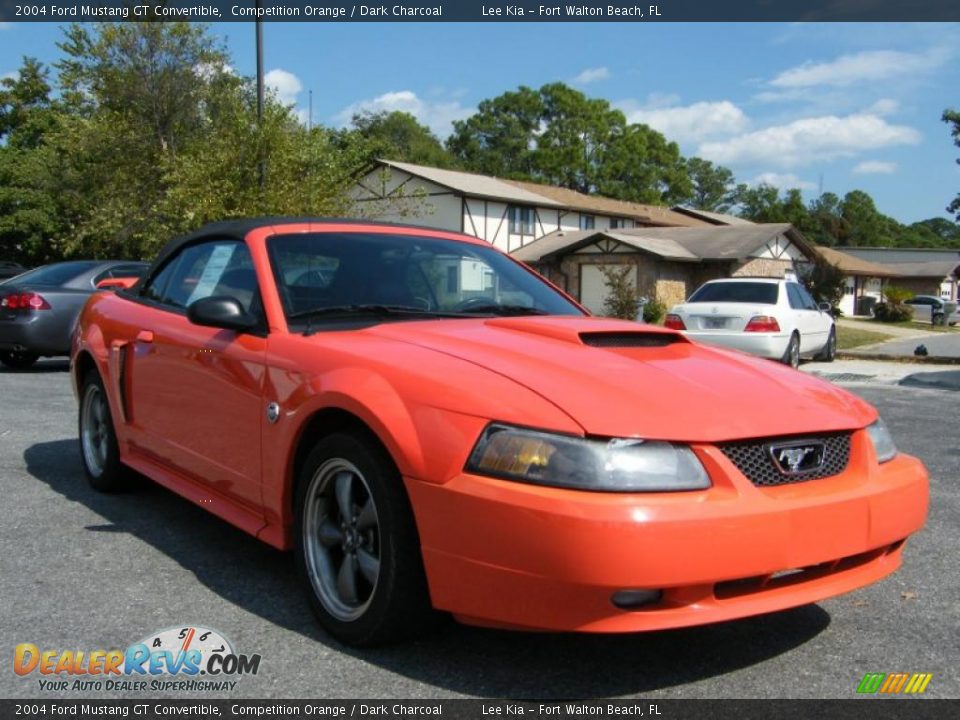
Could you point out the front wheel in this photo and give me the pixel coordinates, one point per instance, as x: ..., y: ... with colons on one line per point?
x: 829, y: 352
x: 791, y: 355
x: 18, y: 360
x: 357, y: 547
x: 98, y: 441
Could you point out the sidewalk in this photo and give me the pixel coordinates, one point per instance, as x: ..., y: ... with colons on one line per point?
x: 926, y: 375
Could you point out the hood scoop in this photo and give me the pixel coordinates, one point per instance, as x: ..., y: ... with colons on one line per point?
x: 631, y: 339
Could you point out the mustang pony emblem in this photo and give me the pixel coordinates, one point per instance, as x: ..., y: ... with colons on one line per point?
x: 794, y: 459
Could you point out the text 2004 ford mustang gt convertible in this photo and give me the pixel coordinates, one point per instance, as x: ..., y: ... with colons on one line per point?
x: 430, y: 425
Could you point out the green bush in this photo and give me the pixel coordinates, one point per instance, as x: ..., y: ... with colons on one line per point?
x: 890, y: 313
x: 653, y: 312
x: 622, y: 300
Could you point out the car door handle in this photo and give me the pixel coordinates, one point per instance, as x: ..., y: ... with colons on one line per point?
x: 145, y: 336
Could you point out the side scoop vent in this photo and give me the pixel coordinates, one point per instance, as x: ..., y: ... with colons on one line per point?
x: 630, y: 339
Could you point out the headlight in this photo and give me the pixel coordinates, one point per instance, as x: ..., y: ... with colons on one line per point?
x: 620, y: 465
x: 882, y: 441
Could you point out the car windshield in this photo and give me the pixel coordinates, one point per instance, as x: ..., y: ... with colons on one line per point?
x: 332, y: 275
x: 57, y: 274
x: 737, y: 292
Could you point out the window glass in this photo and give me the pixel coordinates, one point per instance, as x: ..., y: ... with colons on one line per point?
x: 521, y: 219
x: 57, y: 274
x: 765, y: 293
x: 808, y: 302
x: 207, y: 270
x: 423, y: 273
x: 587, y: 222
x: 793, y: 295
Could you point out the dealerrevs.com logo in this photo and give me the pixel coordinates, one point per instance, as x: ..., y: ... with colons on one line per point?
x: 188, y: 659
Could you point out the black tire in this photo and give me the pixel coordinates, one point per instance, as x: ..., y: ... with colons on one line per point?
x: 791, y: 356
x: 18, y: 360
x: 99, y: 451
x: 829, y: 352
x: 395, y: 604
x: 940, y: 319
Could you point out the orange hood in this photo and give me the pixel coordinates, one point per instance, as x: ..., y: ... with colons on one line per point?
x: 621, y: 379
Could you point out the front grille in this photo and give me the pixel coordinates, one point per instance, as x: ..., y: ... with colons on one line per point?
x: 754, y: 460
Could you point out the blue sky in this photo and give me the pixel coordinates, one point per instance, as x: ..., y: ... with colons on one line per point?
x: 849, y: 105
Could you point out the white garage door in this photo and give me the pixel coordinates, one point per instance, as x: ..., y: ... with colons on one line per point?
x: 593, y: 288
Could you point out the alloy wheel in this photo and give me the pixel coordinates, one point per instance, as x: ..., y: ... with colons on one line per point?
x: 341, y: 534
x: 94, y: 432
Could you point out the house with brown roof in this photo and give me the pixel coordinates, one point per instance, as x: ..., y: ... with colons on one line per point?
x: 668, y: 263
x: 506, y: 213
x: 925, y: 271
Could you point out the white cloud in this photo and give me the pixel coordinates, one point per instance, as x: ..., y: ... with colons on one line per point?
x: 783, y: 181
x: 12, y: 75
x: 436, y: 115
x: 809, y: 140
x: 689, y: 123
x: 870, y: 65
x: 285, y: 84
x: 883, y: 106
x: 875, y: 167
x: 591, y: 75
x: 5, y: 25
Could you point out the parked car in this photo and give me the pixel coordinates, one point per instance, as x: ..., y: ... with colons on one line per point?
x: 431, y: 426
x: 776, y: 319
x: 932, y: 309
x: 10, y: 269
x: 39, y: 309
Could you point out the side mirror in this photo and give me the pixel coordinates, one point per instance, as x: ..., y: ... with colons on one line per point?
x: 221, y: 312
x: 117, y: 283
x: 825, y: 307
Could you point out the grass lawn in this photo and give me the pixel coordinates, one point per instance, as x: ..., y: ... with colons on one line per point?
x: 848, y: 337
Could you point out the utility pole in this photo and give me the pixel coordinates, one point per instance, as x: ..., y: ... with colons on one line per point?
x: 259, y: 24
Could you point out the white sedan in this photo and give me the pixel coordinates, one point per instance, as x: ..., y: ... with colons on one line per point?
x: 772, y: 318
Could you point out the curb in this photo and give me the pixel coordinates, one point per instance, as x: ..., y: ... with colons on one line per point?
x: 909, y: 359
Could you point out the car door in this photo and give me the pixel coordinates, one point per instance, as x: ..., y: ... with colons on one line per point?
x: 819, y: 321
x: 196, y: 392
x: 921, y: 307
x: 803, y: 317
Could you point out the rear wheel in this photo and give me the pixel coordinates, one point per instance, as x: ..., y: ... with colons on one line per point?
x: 98, y: 441
x: 829, y: 352
x: 940, y: 319
x: 357, y: 547
x: 791, y: 355
x: 18, y: 360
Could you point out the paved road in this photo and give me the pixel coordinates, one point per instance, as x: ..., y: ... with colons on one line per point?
x: 80, y: 570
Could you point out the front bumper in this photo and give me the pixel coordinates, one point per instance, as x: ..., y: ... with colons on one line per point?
x: 514, y: 555
x: 766, y: 345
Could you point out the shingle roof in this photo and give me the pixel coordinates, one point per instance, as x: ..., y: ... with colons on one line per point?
x: 853, y: 265
x: 653, y: 214
x: 528, y: 193
x: 713, y: 218
x: 933, y: 269
x: 713, y: 242
x: 567, y: 240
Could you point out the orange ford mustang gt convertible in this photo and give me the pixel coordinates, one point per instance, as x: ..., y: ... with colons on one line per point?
x: 431, y: 426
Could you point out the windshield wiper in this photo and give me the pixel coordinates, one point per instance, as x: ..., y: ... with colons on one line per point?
x: 497, y: 309
x: 364, y: 309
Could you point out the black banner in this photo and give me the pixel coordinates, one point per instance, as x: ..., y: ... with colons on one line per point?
x: 481, y: 10
x: 875, y: 709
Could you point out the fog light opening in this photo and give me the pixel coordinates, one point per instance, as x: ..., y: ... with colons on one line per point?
x: 635, y: 599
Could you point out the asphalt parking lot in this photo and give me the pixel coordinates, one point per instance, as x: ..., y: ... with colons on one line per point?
x: 79, y: 570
